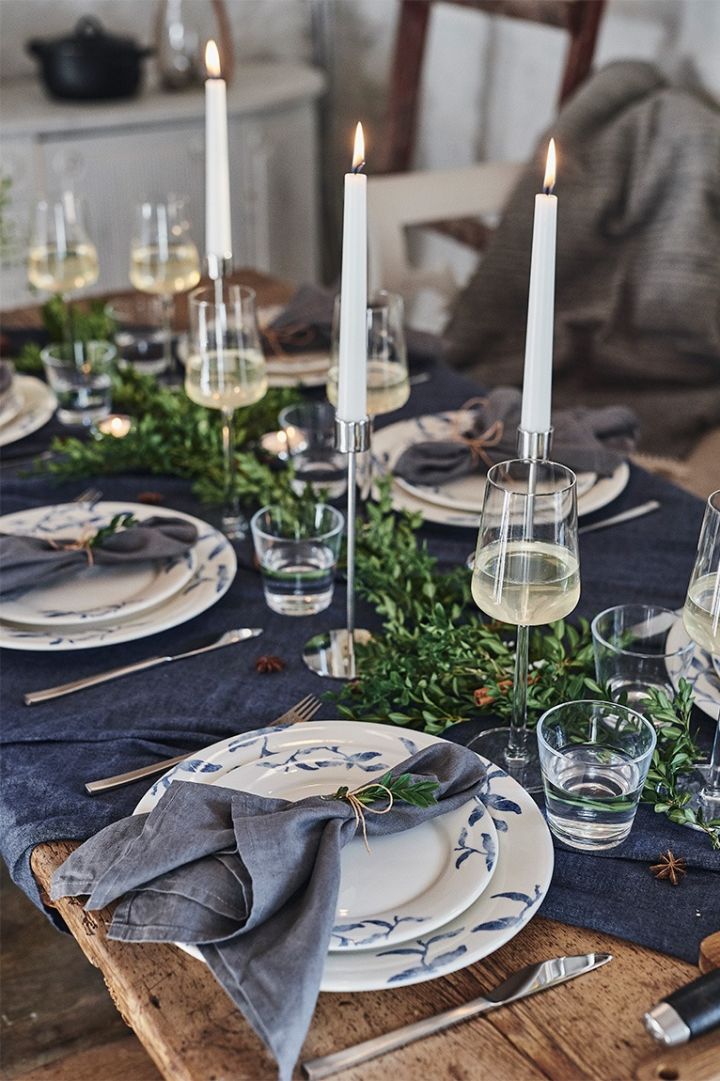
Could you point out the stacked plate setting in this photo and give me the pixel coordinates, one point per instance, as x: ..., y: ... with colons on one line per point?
x: 99, y: 606
x: 421, y: 903
x: 25, y: 405
x: 459, y: 502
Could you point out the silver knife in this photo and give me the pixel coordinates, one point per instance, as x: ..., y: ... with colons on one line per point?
x: 228, y: 639
x: 528, y: 981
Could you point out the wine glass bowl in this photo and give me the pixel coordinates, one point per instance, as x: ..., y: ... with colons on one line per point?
x: 388, y: 386
x: 527, y: 572
x: 61, y: 257
x: 225, y: 370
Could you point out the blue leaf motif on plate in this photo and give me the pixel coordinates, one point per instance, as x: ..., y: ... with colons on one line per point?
x: 488, y: 849
x: 384, y: 928
x: 198, y: 765
x: 428, y: 963
x: 477, y: 813
x: 523, y: 899
x: 363, y: 760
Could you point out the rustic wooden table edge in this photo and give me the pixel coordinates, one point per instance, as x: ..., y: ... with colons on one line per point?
x: 592, y: 1028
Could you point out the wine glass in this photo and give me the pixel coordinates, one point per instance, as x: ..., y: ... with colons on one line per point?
x: 163, y: 258
x: 388, y: 387
x: 225, y: 370
x: 61, y: 258
x: 526, y: 572
x: 701, y: 616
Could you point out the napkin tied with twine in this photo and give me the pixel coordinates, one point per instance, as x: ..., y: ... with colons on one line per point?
x: 586, y: 440
x: 252, y: 881
x: 30, y: 561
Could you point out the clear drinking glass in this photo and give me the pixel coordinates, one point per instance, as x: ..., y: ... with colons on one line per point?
x: 701, y: 616
x: 163, y: 258
x: 225, y: 370
x: 526, y: 572
x: 61, y: 258
x: 595, y: 757
x: 298, y: 551
x: 632, y: 656
x: 140, y: 333
x: 387, y: 369
x: 310, y: 431
x: 80, y: 373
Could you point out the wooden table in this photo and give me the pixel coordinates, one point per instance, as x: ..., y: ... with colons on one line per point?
x: 591, y: 1028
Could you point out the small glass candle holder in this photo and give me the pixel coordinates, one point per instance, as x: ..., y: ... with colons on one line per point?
x: 298, y: 551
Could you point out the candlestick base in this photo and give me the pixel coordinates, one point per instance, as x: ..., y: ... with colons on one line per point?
x: 329, y: 654
x: 534, y: 446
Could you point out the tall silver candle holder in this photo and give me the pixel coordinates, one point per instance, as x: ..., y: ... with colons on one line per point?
x: 332, y: 653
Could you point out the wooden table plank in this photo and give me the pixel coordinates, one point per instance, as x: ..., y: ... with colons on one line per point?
x: 591, y: 1028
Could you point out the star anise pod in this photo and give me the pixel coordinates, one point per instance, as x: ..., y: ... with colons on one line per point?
x: 268, y: 664
x: 671, y: 867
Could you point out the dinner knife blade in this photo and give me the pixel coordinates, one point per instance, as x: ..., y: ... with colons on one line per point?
x: 527, y: 981
x: 229, y: 638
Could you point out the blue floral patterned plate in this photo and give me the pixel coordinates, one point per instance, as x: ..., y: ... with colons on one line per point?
x: 521, y: 877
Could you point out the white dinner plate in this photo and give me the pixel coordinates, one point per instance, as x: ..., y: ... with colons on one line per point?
x: 703, y: 675
x: 387, y: 893
x: 463, y: 497
x: 12, y: 406
x: 90, y: 594
x: 519, y: 884
x: 214, y: 571
x: 38, y: 405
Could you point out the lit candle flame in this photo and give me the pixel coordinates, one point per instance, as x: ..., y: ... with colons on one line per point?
x: 358, y: 150
x: 212, y: 60
x: 550, y: 169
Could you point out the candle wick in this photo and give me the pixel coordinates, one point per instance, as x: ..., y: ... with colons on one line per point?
x: 549, y: 189
x: 359, y: 167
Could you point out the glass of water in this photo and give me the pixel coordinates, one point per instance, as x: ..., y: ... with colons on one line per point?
x: 633, y: 654
x: 80, y: 373
x: 310, y: 431
x: 594, y: 757
x: 298, y: 550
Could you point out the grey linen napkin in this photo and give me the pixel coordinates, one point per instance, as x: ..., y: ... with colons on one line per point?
x: 252, y: 881
x: 586, y: 440
x: 32, y: 561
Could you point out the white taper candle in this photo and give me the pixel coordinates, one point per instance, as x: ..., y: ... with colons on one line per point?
x: 537, y: 378
x: 218, y: 237
x: 352, y: 358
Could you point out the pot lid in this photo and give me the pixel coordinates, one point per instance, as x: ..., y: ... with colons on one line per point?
x: 89, y: 35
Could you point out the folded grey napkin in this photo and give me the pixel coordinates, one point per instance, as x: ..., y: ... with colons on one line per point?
x: 252, y: 881
x: 28, y: 562
x: 585, y: 440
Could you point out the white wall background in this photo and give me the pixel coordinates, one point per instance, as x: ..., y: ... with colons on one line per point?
x: 490, y: 86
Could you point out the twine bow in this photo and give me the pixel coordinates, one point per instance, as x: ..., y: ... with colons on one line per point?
x: 295, y: 334
x: 477, y: 444
x: 360, y: 809
x: 82, y: 544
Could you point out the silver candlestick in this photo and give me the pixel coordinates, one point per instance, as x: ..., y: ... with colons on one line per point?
x: 332, y: 653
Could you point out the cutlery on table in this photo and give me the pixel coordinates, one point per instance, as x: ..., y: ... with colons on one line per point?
x: 229, y: 638
x: 688, y: 1012
x: 303, y: 710
x: 528, y: 981
x: 624, y: 516
x: 91, y: 496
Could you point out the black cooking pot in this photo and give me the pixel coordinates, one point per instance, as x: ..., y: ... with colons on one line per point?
x: 90, y: 64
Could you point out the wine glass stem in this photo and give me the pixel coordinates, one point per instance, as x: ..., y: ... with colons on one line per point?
x: 517, y: 739
x: 231, y: 508
x: 168, y: 306
x: 711, y: 789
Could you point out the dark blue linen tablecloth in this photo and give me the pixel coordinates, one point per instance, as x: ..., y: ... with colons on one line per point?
x: 50, y: 750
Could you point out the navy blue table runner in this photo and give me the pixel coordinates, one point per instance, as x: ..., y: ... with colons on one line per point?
x: 50, y: 750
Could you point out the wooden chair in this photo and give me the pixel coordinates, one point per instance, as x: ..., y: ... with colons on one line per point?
x: 406, y: 199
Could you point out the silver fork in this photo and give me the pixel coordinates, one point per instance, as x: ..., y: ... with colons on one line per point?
x: 303, y: 710
x: 91, y: 496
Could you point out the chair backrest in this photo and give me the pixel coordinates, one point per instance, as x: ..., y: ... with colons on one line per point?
x: 580, y: 18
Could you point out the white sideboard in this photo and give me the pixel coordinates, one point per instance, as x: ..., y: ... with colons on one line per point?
x: 118, y: 153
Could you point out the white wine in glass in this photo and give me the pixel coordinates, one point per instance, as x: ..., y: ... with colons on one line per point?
x: 61, y: 257
x: 225, y: 370
x: 388, y: 386
x: 163, y: 259
x: 526, y: 572
x: 701, y: 616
